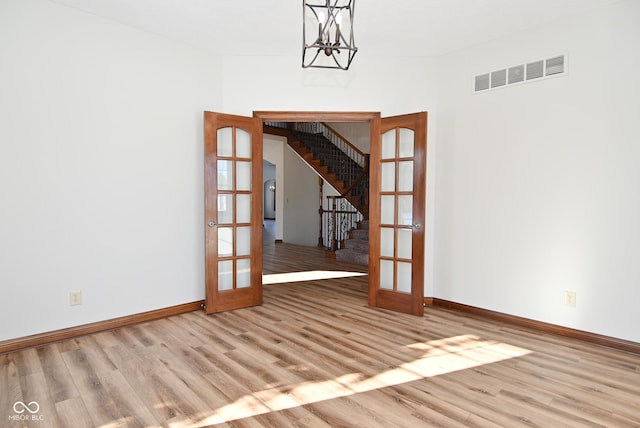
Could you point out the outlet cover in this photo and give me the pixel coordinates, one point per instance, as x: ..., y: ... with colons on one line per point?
x: 570, y: 298
x: 75, y: 298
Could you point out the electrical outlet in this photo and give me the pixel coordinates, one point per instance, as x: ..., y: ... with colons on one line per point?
x: 75, y: 298
x: 570, y: 298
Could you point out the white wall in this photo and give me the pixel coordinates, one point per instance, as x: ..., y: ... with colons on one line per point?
x: 538, y: 184
x: 358, y: 134
x: 100, y: 168
x: 273, y: 151
x: 301, y: 201
x: 390, y: 86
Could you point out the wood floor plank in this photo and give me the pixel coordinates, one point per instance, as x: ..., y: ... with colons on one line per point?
x: 103, y: 409
x: 59, y: 383
x: 10, y: 386
x: 133, y: 410
x: 73, y: 413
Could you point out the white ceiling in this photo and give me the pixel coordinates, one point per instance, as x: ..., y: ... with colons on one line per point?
x: 274, y: 27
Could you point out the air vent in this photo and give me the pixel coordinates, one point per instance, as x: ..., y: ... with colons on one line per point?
x: 535, y: 70
x: 482, y: 82
x: 516, y: 74
x: 554, y: 65
x: 521, y: 73
x: 498, y: 78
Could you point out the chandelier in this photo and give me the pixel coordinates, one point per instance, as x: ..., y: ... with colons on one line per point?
x: 327, y: 34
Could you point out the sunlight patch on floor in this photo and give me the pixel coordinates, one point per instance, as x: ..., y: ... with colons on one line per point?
x: 313, y: 275
x: 439, y: 357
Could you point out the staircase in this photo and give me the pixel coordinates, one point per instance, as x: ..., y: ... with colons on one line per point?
x: 345, y: 168
x: 356, y: 248
x: 335, y: 167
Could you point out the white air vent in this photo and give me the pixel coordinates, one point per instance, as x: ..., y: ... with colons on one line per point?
x: 516, y: 74
x: 554, y: 65
x: 521, y: 73
x: 482, y: 82
x: 535, y: 70
x: 498, y: 78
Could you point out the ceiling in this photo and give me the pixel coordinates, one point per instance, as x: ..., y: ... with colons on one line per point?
x: 274, y: 27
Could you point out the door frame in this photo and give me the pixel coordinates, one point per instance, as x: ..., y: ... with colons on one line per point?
x: 316, y: 116
x: 329, y: 116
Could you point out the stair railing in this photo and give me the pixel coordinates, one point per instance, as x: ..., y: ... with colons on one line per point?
x: 335, y: 138
x: 345, y: 160
x: 337, y: 220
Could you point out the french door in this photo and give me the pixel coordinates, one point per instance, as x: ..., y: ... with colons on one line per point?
x: 397, y: 212
x: 233, y: 211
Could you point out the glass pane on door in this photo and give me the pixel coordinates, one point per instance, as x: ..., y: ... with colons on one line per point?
x: 243, y: 273
x: 387, y: 209
x: 388, y: 176
x: 243, y: 204
x: 243, y: 144
x: 225, y: 142
x: 405, y: 210
x: 243, y: 241
x: 243, y: 175
x: 225, y: 275
x: 225, y: 174
x: 386, y: 274
x: 388, y: 149
x: 387, y: 241
x: 225, y: 208
x: 405, y: 149
x: 225, y: 241
x: 405, y: 176
x: 405, y: 242
x: 404, y: 277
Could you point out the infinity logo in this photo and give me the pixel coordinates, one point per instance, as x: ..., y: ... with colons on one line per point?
x: 18, y: 404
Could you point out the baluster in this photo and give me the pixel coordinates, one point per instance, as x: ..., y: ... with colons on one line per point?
x: 334, y: 244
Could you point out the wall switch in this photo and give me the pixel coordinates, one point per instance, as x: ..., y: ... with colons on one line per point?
x: 75, y: 298
x: 570, y: 298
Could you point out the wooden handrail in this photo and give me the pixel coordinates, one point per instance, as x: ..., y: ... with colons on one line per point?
x: 364, y: 173
x: 344, y: 140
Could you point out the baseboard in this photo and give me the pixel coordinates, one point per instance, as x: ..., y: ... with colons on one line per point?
x: 12, y: 345
x: 96, y: 327
x: 585, y: 336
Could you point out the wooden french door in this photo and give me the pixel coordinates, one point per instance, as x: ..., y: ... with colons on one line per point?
x: 233, y: 211
x: 397, y: 213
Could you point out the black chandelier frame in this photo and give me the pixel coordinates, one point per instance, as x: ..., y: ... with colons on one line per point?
x: 333, y: 39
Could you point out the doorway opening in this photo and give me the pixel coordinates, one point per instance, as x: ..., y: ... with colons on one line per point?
x: 234, y: 186
x: 306, y: 262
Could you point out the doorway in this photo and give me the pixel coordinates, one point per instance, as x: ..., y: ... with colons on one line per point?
x: 398, y: 159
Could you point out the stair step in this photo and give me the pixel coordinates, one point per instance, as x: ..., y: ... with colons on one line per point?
x: 360, y: 234
x: 353, y: 256
x: 357, y: 244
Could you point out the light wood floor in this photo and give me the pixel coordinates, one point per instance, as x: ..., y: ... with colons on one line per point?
x: 314, y: 354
